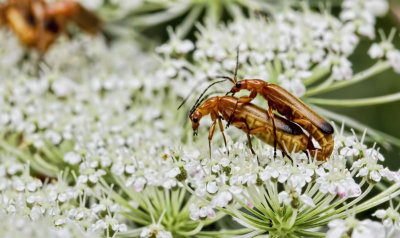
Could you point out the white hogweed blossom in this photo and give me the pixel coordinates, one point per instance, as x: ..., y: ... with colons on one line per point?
x: 385, y: 50
x: 305, y: 187
x: 72, y: 158
x: 282, y: 44
x: 390, y: 218
x: 355, y: 228
x: 201, y: 212
x: 394, y: 59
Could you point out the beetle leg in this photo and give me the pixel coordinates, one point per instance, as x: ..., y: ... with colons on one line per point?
x: 221, y: 128
x: 242, y: 100
x: 271, y: 115
x: 210, y: 136
x: 244, y: 126
x: 282, y: 148
x: 325, y: 141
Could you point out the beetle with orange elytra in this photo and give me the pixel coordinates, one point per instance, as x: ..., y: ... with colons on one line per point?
x: 38, y: 23
x: 285, y: 135
x: 289, y: 106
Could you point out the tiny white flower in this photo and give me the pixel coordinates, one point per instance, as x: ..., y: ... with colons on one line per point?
x: 380, y: 213
x: 173, y: 172
x: 63, y: 87
x: 212, y: 187
x: 375, y: 51
x: 307, y: 200
x: 221, y: 199
x: 139, y: 184
x: 394, y: 59
x: 72, y: 158
x: 185, y: 46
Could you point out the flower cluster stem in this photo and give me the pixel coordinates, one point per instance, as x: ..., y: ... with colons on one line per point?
x: 373, y: 70
x: 355, y: 102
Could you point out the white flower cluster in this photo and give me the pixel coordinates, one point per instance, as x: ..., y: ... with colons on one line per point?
x: 26, y: 199
x: 16, y: 225
x: 351, y: 227
x: 112, y: 124
x: 95, y: 110
x: 385, y: 50
x: 93, y: 120
x: 361, y: 14
x: 292, y: 47
x: 302, y: 184
x: 390, y: 220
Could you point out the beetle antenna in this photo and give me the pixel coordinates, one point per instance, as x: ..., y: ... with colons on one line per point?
x: 190, y: 94
x: 201, y: 95
x: 201, y: 100
x: 201, y: 82
x: 227, y: 78
x: 237, y: 64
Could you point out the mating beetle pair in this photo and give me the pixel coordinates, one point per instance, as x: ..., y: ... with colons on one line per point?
x: 285, y: 134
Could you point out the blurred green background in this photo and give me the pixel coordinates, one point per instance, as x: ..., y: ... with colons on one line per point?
x: 384, y: 117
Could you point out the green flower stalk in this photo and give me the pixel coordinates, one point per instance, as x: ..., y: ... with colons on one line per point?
x: 143, y: 15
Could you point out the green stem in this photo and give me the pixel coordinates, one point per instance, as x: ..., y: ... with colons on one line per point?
x: 375, y: 69
x: 135, y: 219
x: 49, y: 169
x: 36, y: 163
x: 159, y: 17
x: 338, y: 212
x: 224, y: 233
x: 388, y: 194
x: 355, y: 102
x: 258, y: 5
x: 304, y: 233
x: 219, y: 215
x: 187, y: 24
x: 130, y: 233
x: 214, y: 12
x: 234, y: 10
x: 320, y: 208
x: 382, y: 187
x: 192, y: 232
x: 250, y: 210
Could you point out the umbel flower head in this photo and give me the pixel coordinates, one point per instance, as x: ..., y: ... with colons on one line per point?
x: 281, y: 197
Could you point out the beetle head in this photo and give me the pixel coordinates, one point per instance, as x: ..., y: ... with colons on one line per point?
x: 239, y: 85
x: 195, y: 118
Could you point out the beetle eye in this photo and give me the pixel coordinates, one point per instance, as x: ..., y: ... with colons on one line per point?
x: 238, y: 84
x: 195, y: 120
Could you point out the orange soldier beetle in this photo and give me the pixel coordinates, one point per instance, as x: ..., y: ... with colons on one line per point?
x: 37, y: 24
x: 287, y: 105
x: 251, y: 119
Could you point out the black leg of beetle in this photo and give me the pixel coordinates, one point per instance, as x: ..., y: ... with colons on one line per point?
x: 210, y: 136
x: 286, y: 154
x: 233, y: 113
x: 248, y: 138
x: 271, y: 115
x: 221, y: 128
